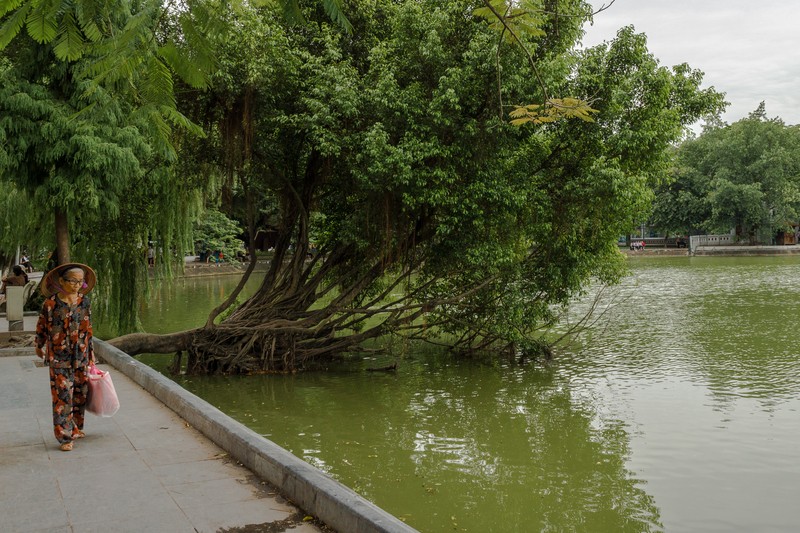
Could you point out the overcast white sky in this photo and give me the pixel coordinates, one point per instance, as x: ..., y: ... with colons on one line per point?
x: 748, y: 49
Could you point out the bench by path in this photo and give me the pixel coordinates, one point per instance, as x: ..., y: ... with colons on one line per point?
x: 145, y: 469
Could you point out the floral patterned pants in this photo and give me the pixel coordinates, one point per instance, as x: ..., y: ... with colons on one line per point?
x: 69, y: 388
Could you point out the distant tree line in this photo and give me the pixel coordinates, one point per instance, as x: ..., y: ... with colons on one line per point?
x: 743, y: 177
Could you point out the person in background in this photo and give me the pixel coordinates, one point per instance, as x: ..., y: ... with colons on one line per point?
x: 64, y: 339
x: 26, y: 262
x: 17, y: 278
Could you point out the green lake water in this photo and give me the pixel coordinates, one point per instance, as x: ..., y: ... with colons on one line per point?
x: 677, y: 411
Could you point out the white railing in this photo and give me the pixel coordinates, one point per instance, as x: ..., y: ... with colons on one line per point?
x: 711, y: 240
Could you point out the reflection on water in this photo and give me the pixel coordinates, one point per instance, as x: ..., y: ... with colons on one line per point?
x: 447, y: 445
x: 676, y: 412
x: 731, y: 324
x: 701, y: 361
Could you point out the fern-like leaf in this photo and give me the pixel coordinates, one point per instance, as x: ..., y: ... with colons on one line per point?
x: 180, y: 120
x: 334, y: 10
x: 41, y: 25
x: 553, y: 110
x: 13, y: 25
x: 7, y: 6
x: 70, y: 44
x: 92, y: 31
x: 290, y: 9
x: 183, y: 66
x: 292, y: 12
x: 156, y: 86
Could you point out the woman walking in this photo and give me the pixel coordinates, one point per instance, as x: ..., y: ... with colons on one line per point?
x: 64, y: 341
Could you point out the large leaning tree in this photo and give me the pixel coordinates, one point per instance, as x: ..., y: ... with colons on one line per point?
x: 390, y: 150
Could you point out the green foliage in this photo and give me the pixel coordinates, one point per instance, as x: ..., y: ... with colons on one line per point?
x: 89, y: 125
x: 70, y: 145
x: 384, y: 146
x: 20, y: 222
x: 681, y: 205
x: 554, y: 109
x: 525, y: 24
x: 58, y: 152
x: 391, y: 137
x: 130, y: 50
x: 292, y: 11
x: 514, y: 19
x: 213, y: 231
x: 737, y: 204
x: 745, y: 176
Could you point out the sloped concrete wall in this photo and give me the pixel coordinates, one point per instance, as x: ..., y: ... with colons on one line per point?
x: 311, y: 489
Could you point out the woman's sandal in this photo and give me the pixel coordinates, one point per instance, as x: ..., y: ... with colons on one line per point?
x: 66, y: 447
x: 78, y: 435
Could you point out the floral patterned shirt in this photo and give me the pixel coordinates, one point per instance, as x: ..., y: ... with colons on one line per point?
x: 64, y: 332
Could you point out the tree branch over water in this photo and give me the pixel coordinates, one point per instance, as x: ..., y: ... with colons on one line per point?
x: 401, y: 204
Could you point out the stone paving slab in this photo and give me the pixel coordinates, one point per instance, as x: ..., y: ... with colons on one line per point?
x: 142, y: 470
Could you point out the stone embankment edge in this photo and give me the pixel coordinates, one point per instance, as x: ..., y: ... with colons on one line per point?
x: 338, y: 506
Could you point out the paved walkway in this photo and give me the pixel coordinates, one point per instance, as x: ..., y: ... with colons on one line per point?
x: 143, y: 470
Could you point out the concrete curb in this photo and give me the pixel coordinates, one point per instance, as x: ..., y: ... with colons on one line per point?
x: 745, y: 251
x: 17, y: 351
x: 311, y: 489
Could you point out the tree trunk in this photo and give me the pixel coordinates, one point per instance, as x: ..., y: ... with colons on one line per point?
x: 62, y: 236
x: 136, y: 343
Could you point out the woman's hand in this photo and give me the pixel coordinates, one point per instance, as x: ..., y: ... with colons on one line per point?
x: 39, y: 352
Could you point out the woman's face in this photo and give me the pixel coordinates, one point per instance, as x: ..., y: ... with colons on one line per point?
x: 72, y: 281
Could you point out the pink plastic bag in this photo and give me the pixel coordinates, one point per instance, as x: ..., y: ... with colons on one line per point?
x: 103, y: 399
